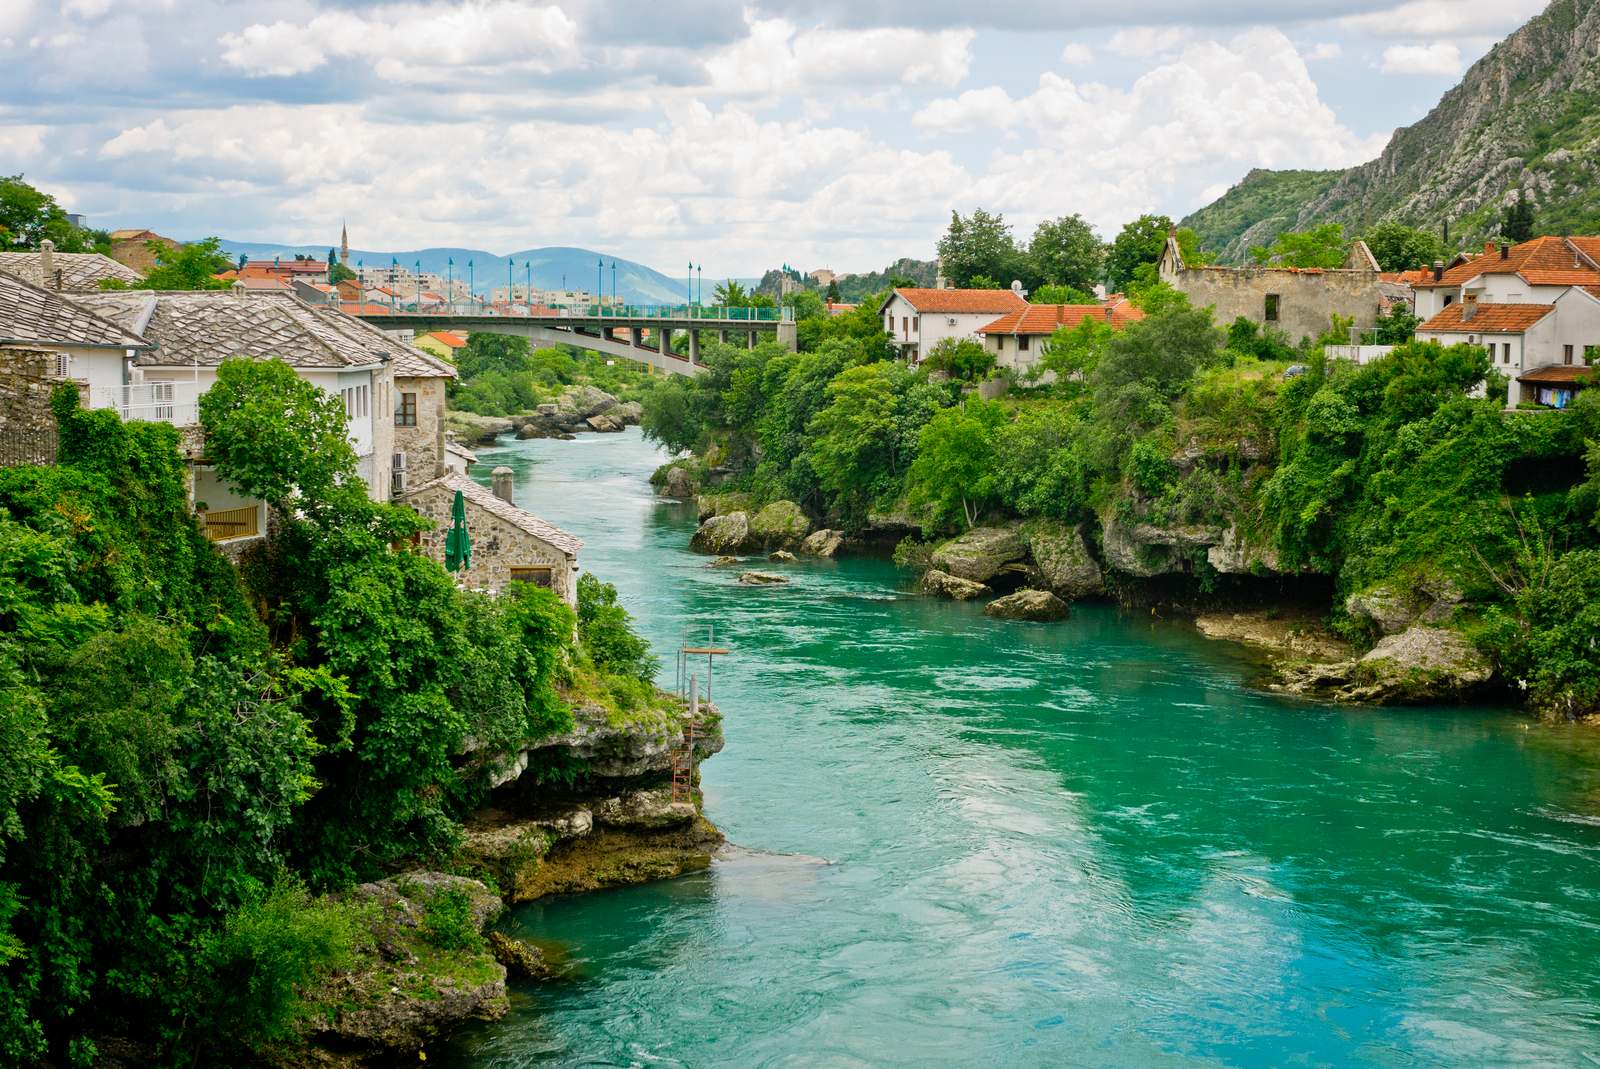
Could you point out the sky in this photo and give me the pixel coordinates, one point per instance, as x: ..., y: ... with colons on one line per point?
x: 817, y: 133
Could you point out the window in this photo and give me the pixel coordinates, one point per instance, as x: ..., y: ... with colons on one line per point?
x: 535, y: 576
x: 1272, y: 308
x: 1566, y: 354
x: 405, y: 413
x: 905, y: 325
x: 914, y: 325
x: 1505, y: 353
x: 1022, y: 343
x: 999, y: 343
x: 1449, y: 298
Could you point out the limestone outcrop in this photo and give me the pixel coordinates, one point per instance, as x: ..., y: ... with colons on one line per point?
x: 477, y: 429
x: 780, y: 525
x: 980, y: 554
x: 762, y: 578
x: 1421, y: 664
x: 1038, y: 605
x: 823, y: 543
x: 1128, y: 554
x: 783, y: 556
x: 1062, y: 559
x: 722, y: 534
x: 942, y: 584
x: 605, y: 423
x: 679, y: 484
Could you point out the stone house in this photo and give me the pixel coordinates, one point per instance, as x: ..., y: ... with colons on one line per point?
x: 509, y: 544
x: 128, y: 247
x: 420, y: 382
x: 1298, y: 301
x: 1548, y: 350
x: 66, y: 272
x: 921, y: 318
x: 1017, y: 338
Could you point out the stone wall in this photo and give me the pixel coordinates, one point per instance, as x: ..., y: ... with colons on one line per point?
x: 497, y: 545
x: 1306, y: 298
x: 420, y: 443
x: 26, y: 378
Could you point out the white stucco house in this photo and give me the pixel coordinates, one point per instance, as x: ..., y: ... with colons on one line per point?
x: 919, y: 319
x: 1547, y: 350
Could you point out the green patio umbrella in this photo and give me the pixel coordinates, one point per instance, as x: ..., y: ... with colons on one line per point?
x: 457, y: 543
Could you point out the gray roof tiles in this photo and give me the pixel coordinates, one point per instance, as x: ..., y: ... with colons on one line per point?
x: 30, y: 313
x: 479, y: 495
x: 81, y: 272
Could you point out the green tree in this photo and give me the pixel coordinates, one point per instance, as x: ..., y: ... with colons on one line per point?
x: 955, y: 459
x: 188, y: 267
x: 607, y: 633
x: 1067, y: 252
x: 28, y: 216
x: 1518, y: 221
x: 854, y: 446
x: 1061, y: 295
x: 833, y: 291
x: 731, y: 293
x: 276, y: 436
x: 1398, y: 247
x: 963, y: 359
x: 981, y: 247
x: 505, y: 353
x: 1073, y: 352
x: 1321, y: 246
x: 1137, y: 245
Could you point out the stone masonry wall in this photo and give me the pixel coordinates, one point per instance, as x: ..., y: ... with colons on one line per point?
x: 26, y: 378
x: 420, y: 442
x: 1306, y: 299
x: 497, y: 546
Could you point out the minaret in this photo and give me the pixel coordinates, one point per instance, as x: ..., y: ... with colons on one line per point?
x: 344, y: 245
x: 939, y: 282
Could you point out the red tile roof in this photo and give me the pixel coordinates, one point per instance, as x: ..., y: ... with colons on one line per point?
x: 1410, y: 278
x: 1559, y: 373
x: 1548, y: 258
x: 1590, y: 247
x: 447, y: 338
x: 1490, y: 319
x: 996, y: 301
x: 358, y: 308
x: 1045, y: 318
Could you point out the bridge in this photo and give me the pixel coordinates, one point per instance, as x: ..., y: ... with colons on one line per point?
x: 632, y: 332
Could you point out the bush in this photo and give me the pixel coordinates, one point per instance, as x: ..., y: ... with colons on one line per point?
x: 607, y: 633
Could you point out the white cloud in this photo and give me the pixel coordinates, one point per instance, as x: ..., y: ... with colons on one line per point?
x: 1422, y: 59
x: 411, y: 44
x: 767, y: 62
x: 1326, y: 50
x: 1430, y: 20
x: 976, y: 109
x: 1144, y: 41
x: 1080, y: 55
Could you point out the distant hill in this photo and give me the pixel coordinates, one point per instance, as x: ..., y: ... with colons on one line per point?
x: 1525, y: 117
x: 635, y: 282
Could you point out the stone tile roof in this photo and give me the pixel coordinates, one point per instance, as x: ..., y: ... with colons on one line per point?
x: 32, y: 314
x: 210, y: 326
x: 81, y: 272
x: 1045, y: 318
x: 1490, y: 319
x: 995, y: 301
x: 461, y: 451
x: 479, y: 495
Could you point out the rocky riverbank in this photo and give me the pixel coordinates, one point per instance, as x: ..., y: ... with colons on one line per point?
x: 579, y: 409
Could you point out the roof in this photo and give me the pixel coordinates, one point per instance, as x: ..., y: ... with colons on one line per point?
x: 1489, y: 319
x: 1045, y: 318
x: 1558, y: 373
x: 1546, y: 261
x: 33, y: 314
x: 1588, y: 248
x: 129, y: 235
x: 447, y: 338
x: 207, y: 327
x: 995, y: 301
x: 477, y: 494
x: 81, y: 272
x: 461, y: 451
x: 1406, y: 277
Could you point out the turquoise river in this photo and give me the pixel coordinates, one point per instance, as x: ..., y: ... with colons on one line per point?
x: 992, y: 844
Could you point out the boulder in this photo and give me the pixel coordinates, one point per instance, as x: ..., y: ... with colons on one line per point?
x: 783, y: 556
x: 980, y: 554
x: 644, y: 811
x: 520, y: 959
x: 724, y: 560
x: 762, y: 578
x: 1127, y: 554
x: 1062, y: 557
x: 722, y: 504
x: 475, y: 428
x: 629, y: 412
x: 1421, y: 664
x: 721, y: 534
x: 605, y: 423
x: 781, y: 525
x: 1040, y: 605
x: 545, y: 410
x: 944, y: 585
x: 679, y: 484
x: 530, y: 430
x: 627, y: 750
x: 588, y: 401
x: 823, y: 543
x: 1391, y: 607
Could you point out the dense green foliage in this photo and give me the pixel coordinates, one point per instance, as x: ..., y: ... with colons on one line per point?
x: 188, y: 267
x: 502, y: 375
x: 1263, y: 202
x: 29, y: 216
x: 1400, y: 248
x: 191, y: 754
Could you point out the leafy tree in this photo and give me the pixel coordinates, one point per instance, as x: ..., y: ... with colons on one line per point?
x: 1161, y: 352
x: 1397, y: 326
x: 731, y: 293
x: 1073, y: 352
x: 1061, y: 295
x: 1067, y: 252
x: 1397, y: 247
x: 833, y: 291
x: 505, y: 353
x: 981, y: 247
x: 955, y: 461
x: 608, y: 635
x: 1518, y: 221
x: 1039, y: 467
x: 963, y: 359
x: 854, y: 446
x: 28, y: 216
x: 1321, y: 246
x: 276, y: 436
x: 806, y: 304
x: 1137, y: 245
x: 188, y: 267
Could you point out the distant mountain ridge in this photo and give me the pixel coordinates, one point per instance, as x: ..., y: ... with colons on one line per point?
x: 1524, y: 117
x: 579, y: 268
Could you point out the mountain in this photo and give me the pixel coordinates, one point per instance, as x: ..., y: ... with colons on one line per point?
x: 553, y: 268
x: 1524, y: 120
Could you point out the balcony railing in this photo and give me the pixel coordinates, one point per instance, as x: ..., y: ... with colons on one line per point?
x: 151, y: 402
x: 231, y: 523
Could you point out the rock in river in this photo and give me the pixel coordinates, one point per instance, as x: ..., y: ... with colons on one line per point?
x: 781, y: 525
x: 762, y: 578
x: 1040, y: 605
x: 1421, y: 664
x: 823, y: 544
x: 944, y: 585
x: 981, y: 553
x: 721, y: 534
x: 783, y: 556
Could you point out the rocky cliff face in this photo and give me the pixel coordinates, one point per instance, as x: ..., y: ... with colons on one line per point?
x: 1523, y: 117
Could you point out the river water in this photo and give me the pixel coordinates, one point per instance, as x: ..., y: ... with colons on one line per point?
x: 1075, y: 844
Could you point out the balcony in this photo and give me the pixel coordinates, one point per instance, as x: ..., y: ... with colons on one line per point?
x: 151, y: 402
x: 231, y: 523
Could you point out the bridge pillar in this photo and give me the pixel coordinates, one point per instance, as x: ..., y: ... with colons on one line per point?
x: 636, y: 335
x: 694, y: 346
x: 789, y: 335
x: 751, y: 342
x: 722, y: 336
x: 663, y: 340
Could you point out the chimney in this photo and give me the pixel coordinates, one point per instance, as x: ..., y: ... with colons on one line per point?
x: 1488, y: 248
x: 1108, y: 313
x: 47, y: 262
x: 438, y: 446
x: 239, y: 288
x: 1469, y: 306
x: 500, y: 484
x: 1505, y: 252
x: 1438, y: 270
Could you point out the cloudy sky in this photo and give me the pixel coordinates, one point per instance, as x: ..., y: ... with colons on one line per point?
x: 817, y: 132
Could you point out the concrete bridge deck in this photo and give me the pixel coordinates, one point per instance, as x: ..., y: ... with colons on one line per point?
x: 629, y: 333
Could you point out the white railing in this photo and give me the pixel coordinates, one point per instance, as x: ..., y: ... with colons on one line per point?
x: 1361, y: 354
x: 151, y: 402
